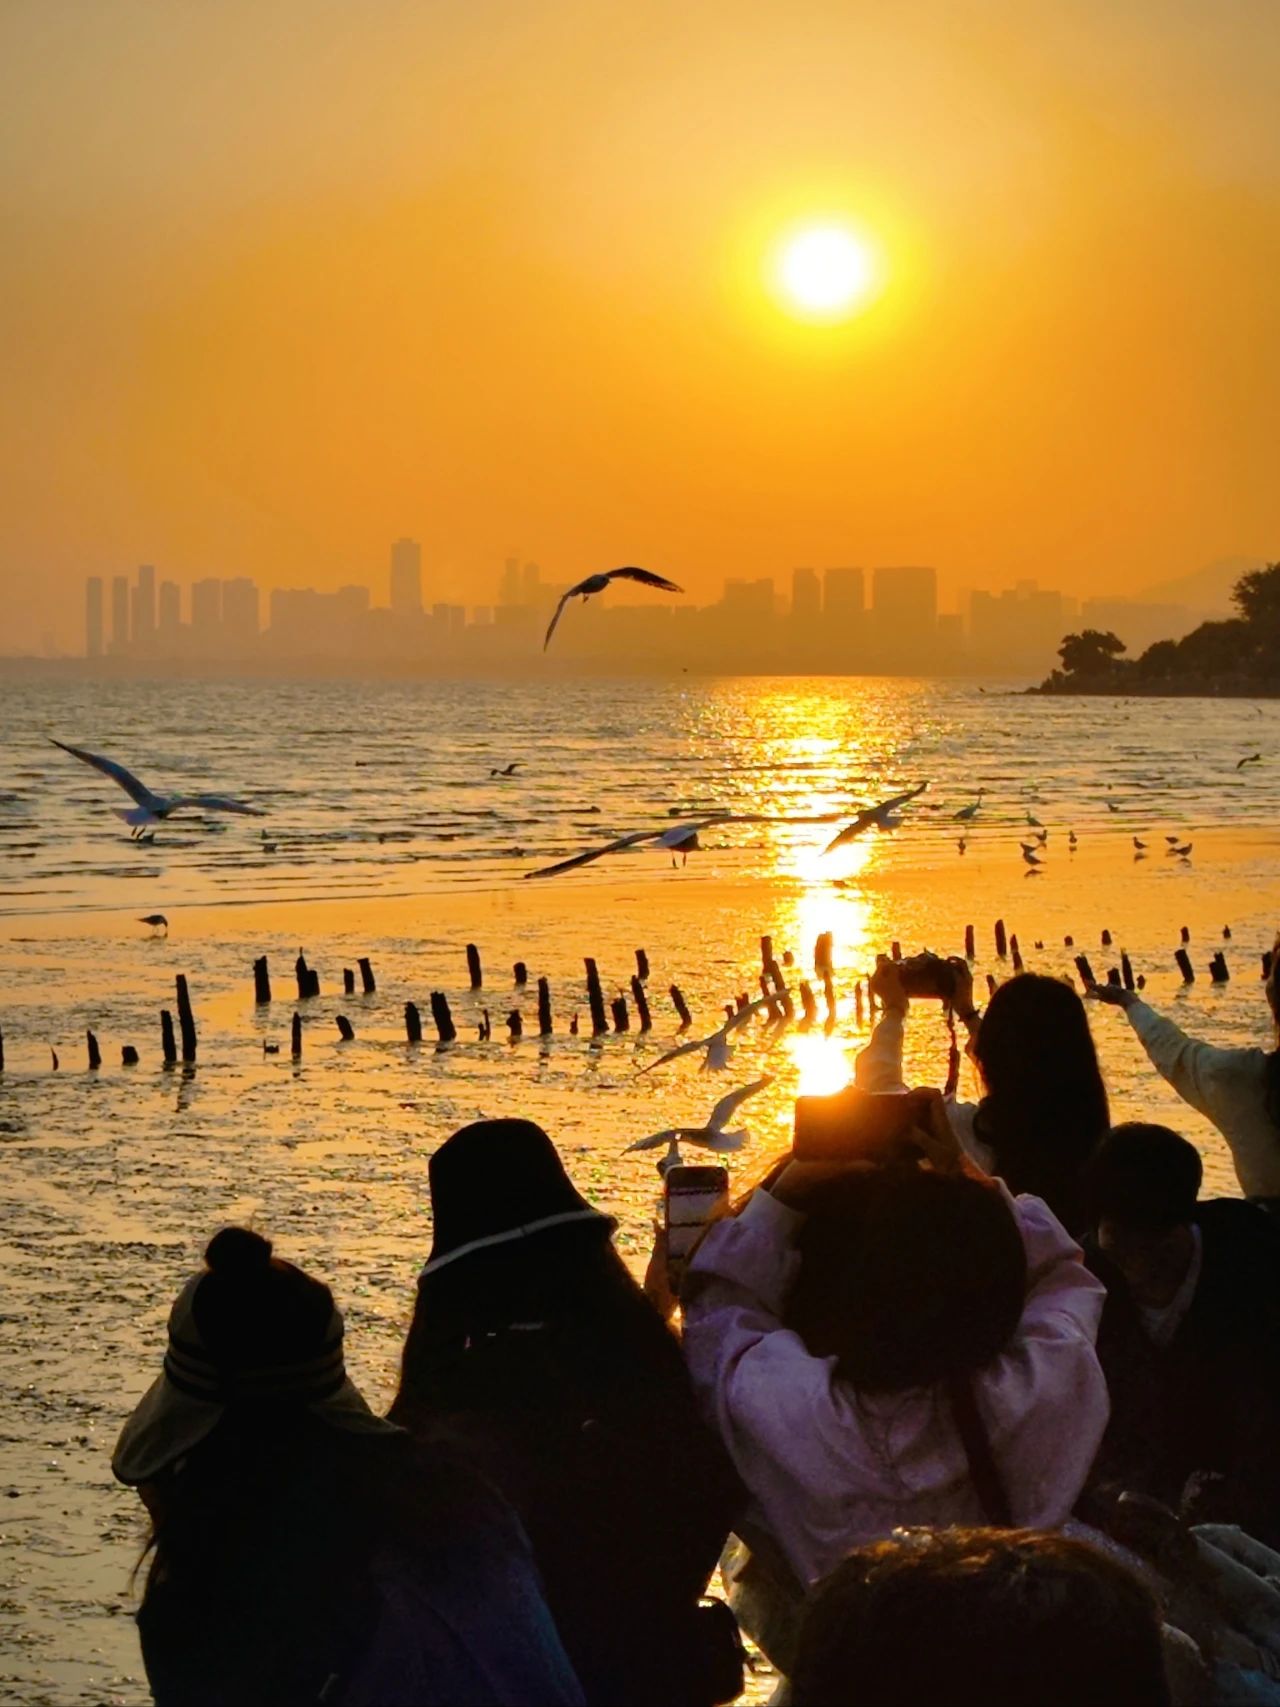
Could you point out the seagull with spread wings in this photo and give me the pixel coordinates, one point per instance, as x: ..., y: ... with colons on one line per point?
x: 883, y: 817
x: 597, y: 584
x: 153, y: 808
x: 712, y: 1135
x: 717, y: 1045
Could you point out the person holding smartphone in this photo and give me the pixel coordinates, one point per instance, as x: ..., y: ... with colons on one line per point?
x: 889, y: 1337
x: 1044, y: 1107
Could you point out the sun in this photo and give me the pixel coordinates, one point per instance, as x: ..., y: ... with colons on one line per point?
x: 826, y: 272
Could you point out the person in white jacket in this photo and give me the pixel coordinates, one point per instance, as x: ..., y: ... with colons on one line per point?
x: 894, y: 1345
x: 1237, y: 1089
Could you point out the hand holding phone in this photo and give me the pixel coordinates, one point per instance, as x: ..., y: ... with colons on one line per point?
x: 692, y: 1196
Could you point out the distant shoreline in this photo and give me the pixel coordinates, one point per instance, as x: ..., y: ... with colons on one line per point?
x: 1125, y: 687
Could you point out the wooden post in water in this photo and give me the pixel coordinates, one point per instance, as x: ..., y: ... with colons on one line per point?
x: 895, y: 951
x: 681, y: 1006
x: 295, y: 1036
x: 261, y: 981
x: 186, y: 1019
x: 642, y: 966
x: 445, y: 1028
x: 969, y: 943
x: 1186, y: 935
x: 1113, y: 977
x: 1184, y: 965
x: 520, y: 973
x: 1068, y: 942
x: 348, y: 981
x: 1218, y: 971
x: 595, y: 999
x: 621, y: 1018
x: 642, y: 1003
x: 95, y: 1054
x: 809, y: 1004
x: 1015, y: 953
x: 1106, y: 939
x: 168, y: 1047
x: 515, y: 1025
x: 1002, y: 946
x: 544, y: 1008
x: 302, y: 975
x: 368, y: 983
x: 473, y: 967
x: 486, y: 1026
x: 829, y: 991
x: 772, y: 1010
x: 822, y: 954
x: 991, y: 985
x: 1086, y: 971
x: 128, y: 1056
x: 346, y: 1030
x: 412, y: 1023
x: 1126, y: 971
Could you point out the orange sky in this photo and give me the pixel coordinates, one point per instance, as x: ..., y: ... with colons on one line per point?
x: 284, y: 279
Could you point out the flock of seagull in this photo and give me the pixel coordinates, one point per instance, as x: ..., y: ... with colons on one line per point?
x: 679, y: 840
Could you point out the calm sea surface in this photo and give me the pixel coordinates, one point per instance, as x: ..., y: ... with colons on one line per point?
x: 387, y: 836
x: 377, y: 790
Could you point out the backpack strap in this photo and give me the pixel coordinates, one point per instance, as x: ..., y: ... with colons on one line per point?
x: 983, y: 1469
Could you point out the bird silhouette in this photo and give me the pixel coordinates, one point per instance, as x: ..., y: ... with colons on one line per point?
x: 597, y: 584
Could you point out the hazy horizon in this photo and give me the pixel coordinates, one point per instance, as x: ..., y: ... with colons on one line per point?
x: 285, y: 282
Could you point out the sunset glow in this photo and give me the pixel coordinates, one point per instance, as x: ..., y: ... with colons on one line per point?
x: 827, y: 272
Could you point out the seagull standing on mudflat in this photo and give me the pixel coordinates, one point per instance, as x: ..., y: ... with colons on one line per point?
x: 152, y: 808
x: 597, y: 584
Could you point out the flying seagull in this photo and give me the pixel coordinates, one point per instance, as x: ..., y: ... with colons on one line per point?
x: 717, y: 1045
x: 712, y: 1136
x: 882, y: 816
x: 506, y: 770
x: 151, y: 808
x: 597, y: 584
x: 679, y: 839
x: 157, y: 921
x: 1253, y: 759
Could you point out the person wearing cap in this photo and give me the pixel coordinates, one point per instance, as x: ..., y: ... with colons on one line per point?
x: 302, y: 1548
x: 533, y: 1351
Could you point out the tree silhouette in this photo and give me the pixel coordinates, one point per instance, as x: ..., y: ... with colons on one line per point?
x: 1092, y: 653
x: 1257, y: 596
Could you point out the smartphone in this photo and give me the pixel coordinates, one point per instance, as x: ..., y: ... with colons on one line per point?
x: 692, y: 1197
x: 853, y: 1124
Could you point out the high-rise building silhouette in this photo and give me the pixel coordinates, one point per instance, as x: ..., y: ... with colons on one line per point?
x: 905, y: 598
x: 806, y: 594
x: 844, y: 597
x: 509, y: 594
x: 120, y: 614
x: 240, y: 614
x: 206, y: 612
x: 406, y: 578
x: 168, y: 614
x: 144, y: 608
x: 93, y: 617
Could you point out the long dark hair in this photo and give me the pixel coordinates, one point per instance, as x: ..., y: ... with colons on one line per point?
x: 1045, y: 1108
x: 908, y: 1277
